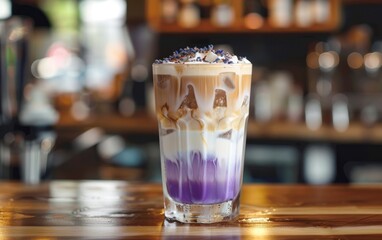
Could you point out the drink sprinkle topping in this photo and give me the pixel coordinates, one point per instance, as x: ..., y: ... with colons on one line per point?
x: 201, y: 55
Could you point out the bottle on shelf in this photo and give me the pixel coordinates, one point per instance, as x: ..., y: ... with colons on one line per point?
x: 169, y: 10
x: 304, y: 13
x: 313, y: 112
x: 189, y: 14
x: 340, y: 113
x: 321, y: 11
x: 280, y: 13
x: 222, y: 13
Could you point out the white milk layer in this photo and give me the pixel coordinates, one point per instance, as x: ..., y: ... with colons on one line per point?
x: 227, y: 147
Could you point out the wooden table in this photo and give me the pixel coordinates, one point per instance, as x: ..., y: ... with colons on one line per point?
x: 120, y: 210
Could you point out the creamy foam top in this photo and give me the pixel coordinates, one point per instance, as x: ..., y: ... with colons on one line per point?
x: 202, y: 55
x: 196, y: 69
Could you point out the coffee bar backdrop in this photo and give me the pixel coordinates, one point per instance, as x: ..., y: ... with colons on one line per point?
x: 315, y: 113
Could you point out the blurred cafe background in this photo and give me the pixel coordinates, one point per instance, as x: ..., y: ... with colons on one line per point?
x: 77, y: 100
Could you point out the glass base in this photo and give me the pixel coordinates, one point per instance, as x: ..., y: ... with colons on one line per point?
x: 199, y: 213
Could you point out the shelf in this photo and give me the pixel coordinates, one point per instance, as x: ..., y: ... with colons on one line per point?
x: 349, y: 2
x: 298, y: 131
x: 154, y: 19
x: 139, y: 123
x: 206, y: 27
x: 143, y: 124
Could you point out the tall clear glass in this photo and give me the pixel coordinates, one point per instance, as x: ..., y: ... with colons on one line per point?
x: 202, y: 112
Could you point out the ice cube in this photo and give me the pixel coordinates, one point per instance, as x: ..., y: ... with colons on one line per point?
x: 226, y: 135
x: 190, y: 100
x: 219, y: 113
x: 227, y: 80
x: 164, y: 132
x: 210, y: 57
x: 164, y: 109
x: 234, y: 59
x: 245, y: 102
x: 163, y: 81
x: 199, y: 56
x: 172, y: 115
x: 220, y: 98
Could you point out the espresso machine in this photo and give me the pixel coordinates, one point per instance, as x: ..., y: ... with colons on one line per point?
x: 26, y: 123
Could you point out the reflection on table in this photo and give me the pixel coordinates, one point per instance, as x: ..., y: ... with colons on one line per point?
x: 115, y: 210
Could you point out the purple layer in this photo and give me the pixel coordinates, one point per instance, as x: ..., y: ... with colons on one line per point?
x: 193, y: 180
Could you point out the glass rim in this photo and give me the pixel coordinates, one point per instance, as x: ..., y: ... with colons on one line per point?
x: 201, y: 64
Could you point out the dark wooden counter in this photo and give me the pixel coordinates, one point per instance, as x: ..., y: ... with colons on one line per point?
x: 120, y: 210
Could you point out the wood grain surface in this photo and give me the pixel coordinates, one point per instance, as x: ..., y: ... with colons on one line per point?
x: 122, y: 210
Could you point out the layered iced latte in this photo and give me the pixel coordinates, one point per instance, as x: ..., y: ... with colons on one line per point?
x: 202, y: 103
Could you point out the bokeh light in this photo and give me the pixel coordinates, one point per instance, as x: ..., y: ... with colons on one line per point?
x: 253, y: 21
x: 355, y: 60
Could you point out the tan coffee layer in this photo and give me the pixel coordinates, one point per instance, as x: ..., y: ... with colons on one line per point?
x: 209, y: 102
